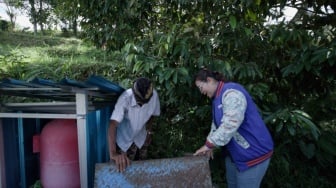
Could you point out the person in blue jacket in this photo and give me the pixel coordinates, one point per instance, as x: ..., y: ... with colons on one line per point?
x: 237, y: 128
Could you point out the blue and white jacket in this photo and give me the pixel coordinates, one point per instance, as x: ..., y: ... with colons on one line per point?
x: 238, y: 127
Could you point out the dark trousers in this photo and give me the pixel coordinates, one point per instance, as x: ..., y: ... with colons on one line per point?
x: 134, y: 153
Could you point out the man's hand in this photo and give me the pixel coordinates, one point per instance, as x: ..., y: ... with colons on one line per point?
x: 204, y: 150
x: 122, y: 161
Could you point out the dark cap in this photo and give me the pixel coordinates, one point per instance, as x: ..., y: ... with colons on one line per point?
x: 143, y: 90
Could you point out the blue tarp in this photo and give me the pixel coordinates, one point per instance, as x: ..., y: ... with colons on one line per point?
x: 44, y: 88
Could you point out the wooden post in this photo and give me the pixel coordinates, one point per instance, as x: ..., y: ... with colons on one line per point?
x: 81, y: 110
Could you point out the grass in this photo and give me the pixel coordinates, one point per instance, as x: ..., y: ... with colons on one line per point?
x: 25, y: 56
x: 41, y: 47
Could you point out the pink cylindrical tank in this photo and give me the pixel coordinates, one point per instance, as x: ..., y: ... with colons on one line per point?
x: 59, y: 161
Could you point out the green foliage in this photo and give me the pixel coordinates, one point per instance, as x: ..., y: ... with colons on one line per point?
x: 12, y: 65
x: 296, y: 122
x: 37, y: 184
x: 4, y: 25
x: 288, y: 172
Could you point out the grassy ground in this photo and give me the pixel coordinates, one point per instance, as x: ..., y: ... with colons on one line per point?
x: 25, y: 56
x: 42, y: 48
x: 13, y: 39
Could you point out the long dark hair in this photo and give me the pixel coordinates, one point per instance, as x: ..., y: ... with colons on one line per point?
x: 204, y: 73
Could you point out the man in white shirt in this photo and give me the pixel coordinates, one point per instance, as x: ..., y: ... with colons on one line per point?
x: 130, y: 123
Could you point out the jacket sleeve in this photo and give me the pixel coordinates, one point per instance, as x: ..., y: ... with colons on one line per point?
x: 213, y: 129
x: 234, y: 107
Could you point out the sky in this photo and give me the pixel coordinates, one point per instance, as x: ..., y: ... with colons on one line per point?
x: 289, y: 13
x: 21, y: 19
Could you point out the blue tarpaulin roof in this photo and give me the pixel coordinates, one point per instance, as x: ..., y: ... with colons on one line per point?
x: 100, y: 90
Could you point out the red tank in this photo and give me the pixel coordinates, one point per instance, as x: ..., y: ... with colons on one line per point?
x: 59, y: 161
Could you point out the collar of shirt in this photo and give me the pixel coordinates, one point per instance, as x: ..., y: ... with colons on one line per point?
x: 133, y: 101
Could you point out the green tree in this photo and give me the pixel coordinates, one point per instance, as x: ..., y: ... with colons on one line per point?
x: 10, y: 11
x: 67, y: 11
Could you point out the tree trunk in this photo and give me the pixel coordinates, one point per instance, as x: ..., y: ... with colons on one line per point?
x: 41, y: 12
x: 33, y: 15
x: 74, y: 26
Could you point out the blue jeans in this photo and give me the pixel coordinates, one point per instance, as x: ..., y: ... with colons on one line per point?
x: 250, y: 178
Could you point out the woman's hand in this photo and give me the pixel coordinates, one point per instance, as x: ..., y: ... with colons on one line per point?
x: 122, y: 161
x: 204, y: 150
